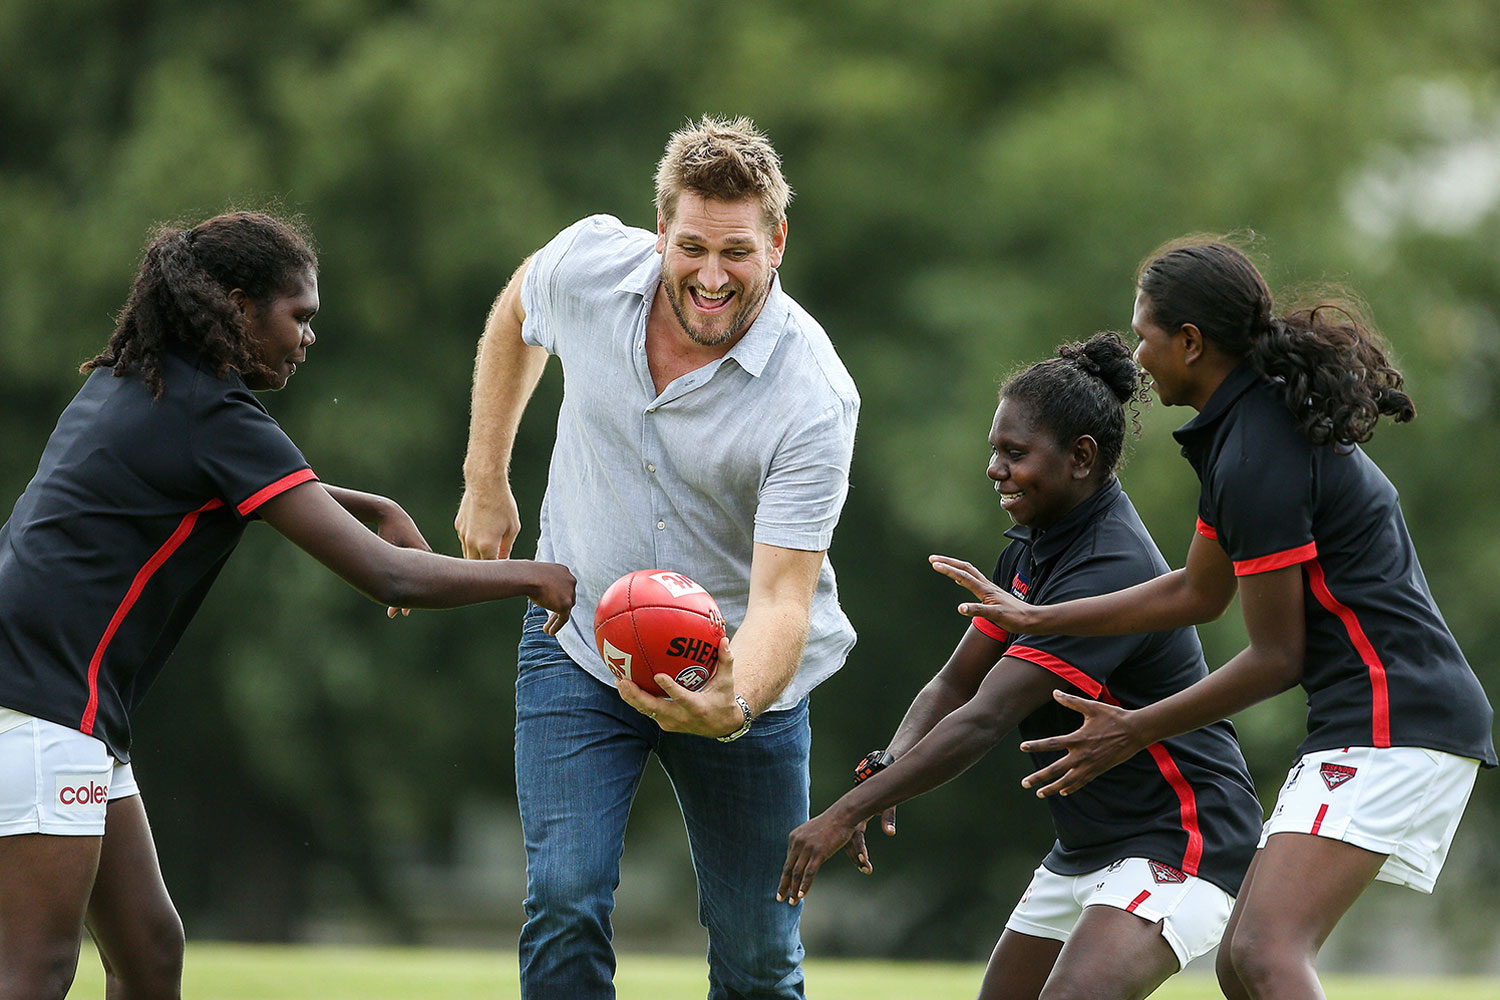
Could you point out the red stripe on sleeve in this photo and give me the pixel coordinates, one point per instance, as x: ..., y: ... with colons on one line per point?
x: 1380, y: 704
x: 1276, y: 560
x: 275, y: 489
x: 1061, y: 668
x: 1207, y: 530
x: 142, y: 577
x: 1187, y: 806
x: 990, y: 629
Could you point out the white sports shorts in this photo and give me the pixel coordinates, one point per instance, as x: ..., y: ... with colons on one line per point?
x: 1192, y: 911
x: 55, y: 780
x: 1404, y: 802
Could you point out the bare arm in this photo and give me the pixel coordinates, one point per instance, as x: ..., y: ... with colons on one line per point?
x: 1272, y: 605
x: 1010, y: 691
x: 767, y: 650
x: 313, y: 520
x: 506, y: 372
x: 1199, y: 592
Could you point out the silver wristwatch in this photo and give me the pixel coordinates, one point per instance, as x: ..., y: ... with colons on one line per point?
x: 744, y: 707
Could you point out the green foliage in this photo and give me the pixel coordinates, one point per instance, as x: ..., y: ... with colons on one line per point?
x: 975, y: 182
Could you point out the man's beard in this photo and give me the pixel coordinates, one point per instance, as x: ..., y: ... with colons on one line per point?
x: 737, y: 324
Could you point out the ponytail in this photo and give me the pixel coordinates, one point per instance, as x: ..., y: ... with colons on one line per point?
x: 181, y: 293
x: 1326, y: 360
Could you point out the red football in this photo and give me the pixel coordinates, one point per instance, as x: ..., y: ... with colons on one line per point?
x: 656, y: 622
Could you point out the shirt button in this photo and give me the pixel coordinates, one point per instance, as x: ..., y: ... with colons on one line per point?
x: 661, y: 525
x: 650, y: 467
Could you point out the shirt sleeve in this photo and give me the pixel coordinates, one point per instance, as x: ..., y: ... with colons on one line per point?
x: 803, y: 494
x: 1086, y: 662
x: 543, y: 290
x: 242, y: 451
x: 1259, y: 501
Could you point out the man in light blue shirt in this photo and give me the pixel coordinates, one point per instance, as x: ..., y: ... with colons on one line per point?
x: 706, y: 427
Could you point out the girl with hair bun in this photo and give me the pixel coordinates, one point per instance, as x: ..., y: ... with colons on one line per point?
x: 1142, y: 877
x: 1298, y: 520
x: 142, y: 493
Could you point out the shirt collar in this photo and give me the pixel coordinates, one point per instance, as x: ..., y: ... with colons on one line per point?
x: 1047, y: 545
x: 753, y: 350
x: 1235, y: 385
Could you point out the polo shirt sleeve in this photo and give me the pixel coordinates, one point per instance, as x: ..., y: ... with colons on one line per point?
x: 1258, y: 499
x: 803, y: 493
x: 553, y: 270
x: 1086, y: 662
x: 242, y: 451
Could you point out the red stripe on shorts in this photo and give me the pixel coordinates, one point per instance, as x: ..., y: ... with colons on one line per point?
x: 1137, y: 901
x: 1318, y: 823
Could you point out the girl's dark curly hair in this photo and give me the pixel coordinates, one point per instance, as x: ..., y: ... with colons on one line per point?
x: 181, y: 293
x: 1326, y: 359
x: 1084, y: 390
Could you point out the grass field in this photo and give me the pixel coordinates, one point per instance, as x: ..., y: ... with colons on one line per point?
x: 263, y: 972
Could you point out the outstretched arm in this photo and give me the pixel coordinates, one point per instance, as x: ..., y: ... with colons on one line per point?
x: 1272, y: 605
x: 312, y: 519
x: 506, y: 372
x: 1010, y: 691
x: 1199, y: 592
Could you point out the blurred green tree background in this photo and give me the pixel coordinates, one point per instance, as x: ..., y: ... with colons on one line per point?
x: 976, y: 181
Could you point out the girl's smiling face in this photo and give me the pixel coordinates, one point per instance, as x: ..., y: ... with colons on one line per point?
x: 1038, y: 480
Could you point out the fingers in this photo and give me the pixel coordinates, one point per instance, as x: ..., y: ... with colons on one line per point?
x: 857, y: 851
x: 391, y: 612
x: 1046, y: 775
x: 555, y: 621
x: 962, y: 573
x: 888, y: 822
x: 797, y: 875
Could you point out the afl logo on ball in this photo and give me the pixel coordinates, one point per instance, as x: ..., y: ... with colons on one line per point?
x: 693, y: 678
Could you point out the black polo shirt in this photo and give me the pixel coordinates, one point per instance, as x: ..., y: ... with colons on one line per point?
x: 133, y: 510
x: 1186, y: 803
x: 1381, y: 668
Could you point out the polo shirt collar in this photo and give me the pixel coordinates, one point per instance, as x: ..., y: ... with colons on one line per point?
x: 753, y: 350
x: 1049, y: 544
x: 1235, y: 385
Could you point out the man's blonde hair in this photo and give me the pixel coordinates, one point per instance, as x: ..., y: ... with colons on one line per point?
x: 723, y: 159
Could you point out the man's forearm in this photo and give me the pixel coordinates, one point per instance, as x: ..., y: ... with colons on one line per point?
x: 506, y: 372
x: 767, y: 652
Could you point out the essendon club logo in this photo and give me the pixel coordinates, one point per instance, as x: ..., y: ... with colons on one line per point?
x: 1335, y: 775
x: 1020, y: 585
x: 1166, y: 874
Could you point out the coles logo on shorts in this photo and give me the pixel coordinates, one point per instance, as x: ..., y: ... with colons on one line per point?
x: 82, y: 792
x: 1165, y: 874
x: 1335, y: 775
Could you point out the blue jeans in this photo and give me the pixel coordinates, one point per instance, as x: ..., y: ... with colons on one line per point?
x: 580, y: 754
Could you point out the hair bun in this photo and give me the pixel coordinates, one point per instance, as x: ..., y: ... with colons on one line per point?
x: 1104, y: 356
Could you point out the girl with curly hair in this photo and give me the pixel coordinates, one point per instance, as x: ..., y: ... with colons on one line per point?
x: 1294, y: 516
x: 141, y: 494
